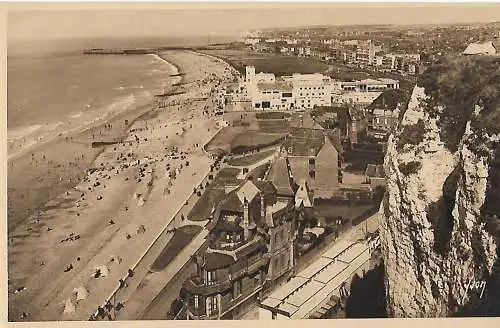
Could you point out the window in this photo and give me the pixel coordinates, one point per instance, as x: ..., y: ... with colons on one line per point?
x: 211, y: 277
x: 212, y: 305
x: 196, y: 301
x: 312, y: 161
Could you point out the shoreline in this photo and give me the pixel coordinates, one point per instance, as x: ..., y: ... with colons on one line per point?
x: 56, y: 143
x: 151, y: 133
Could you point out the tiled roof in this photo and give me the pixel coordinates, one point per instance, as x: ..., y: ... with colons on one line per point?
x: 248, y: 191
x: 279, y: 177
x: 303, y: 195
x: 389, y: 100
x: 224, y: 225
x: 308, y: 142
x: 232, y: 203
x: 268, y: 190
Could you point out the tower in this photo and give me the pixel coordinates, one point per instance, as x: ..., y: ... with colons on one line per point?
x: 250, y: 74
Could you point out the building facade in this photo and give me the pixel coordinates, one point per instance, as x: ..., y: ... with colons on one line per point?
x: 251, y: 244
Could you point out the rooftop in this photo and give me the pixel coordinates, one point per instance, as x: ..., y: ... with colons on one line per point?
x: 279, y: 177
x: 216, y: 260
x: 308, y: 142
x: 388, y: 100
x: 247, y: 191
x: 313, y: 285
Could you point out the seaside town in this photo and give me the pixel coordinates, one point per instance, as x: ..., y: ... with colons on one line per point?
x: 251, y: 188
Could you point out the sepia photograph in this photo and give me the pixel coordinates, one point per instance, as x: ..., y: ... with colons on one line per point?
x: 252, y: 161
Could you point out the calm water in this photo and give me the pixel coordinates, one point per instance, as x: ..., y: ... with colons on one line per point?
x: 51, y: 83
x: 47, y: 90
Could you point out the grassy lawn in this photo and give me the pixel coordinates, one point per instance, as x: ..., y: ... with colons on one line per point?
x: 201, y: 210
x: 243, y: 119
x: 226, y: 175
x: 182, y: 237
x: 250, y: 159
x: 224, y: 139
x: 253, y: 140
x: 274, y: 126
x: 272, y: 115
x: 269, y: 63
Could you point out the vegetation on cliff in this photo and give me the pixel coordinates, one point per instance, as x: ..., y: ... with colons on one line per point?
x: 411, y: 134
x: 457, y: 86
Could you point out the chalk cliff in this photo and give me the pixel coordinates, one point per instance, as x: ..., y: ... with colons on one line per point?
x: 440, y: 218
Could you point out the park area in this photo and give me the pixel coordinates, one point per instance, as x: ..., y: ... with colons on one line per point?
x: 250, y: 131
x: 250, y: 159
x: 182, y: 237
x: 269, y: 63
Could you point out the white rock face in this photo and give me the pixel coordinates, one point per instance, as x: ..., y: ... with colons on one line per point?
x: 421, y: 281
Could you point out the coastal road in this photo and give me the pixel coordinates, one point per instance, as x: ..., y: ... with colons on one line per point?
x: 158, y: 308
x: 141, y: 269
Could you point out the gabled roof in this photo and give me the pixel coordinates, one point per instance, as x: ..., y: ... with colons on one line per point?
x: 303, y: 195
x: 248, y: 191
x: 308, y: 142
x: 388, y: 100
x: 268, y: 190
x: 279, y: 177
x: 328, y: 149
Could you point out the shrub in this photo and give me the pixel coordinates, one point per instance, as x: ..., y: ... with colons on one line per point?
x: 411, y: 134
x: 410, y: 167
x: 457, y: 86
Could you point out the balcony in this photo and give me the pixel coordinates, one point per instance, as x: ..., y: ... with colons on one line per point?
x: 257, y: 263
x: 196, y: 286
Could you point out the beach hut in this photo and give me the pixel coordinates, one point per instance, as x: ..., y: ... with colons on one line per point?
x: 81, y: 293
x: 102, y: 270
x: 69, y: 307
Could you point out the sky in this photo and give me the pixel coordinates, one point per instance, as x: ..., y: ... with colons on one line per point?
x: 54, y: 22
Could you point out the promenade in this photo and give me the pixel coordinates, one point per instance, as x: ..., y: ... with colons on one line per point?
x: 120, y: 216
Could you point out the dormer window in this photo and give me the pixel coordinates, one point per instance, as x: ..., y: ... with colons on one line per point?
x: 211, y: 277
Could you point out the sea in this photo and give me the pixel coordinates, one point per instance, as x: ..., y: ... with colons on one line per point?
x: 52, y: 85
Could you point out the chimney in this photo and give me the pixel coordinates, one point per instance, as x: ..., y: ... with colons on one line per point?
x: 246, y: 219
x: 269, y: 219
x: 262, y: 207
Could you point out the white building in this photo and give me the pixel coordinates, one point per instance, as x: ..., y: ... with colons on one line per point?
x: 306, y: 91
x: 273, y: 96
x: 368, y: 85
x: 310, y: 90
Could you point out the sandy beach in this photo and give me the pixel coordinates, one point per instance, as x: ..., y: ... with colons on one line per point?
x: 103, y: 219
